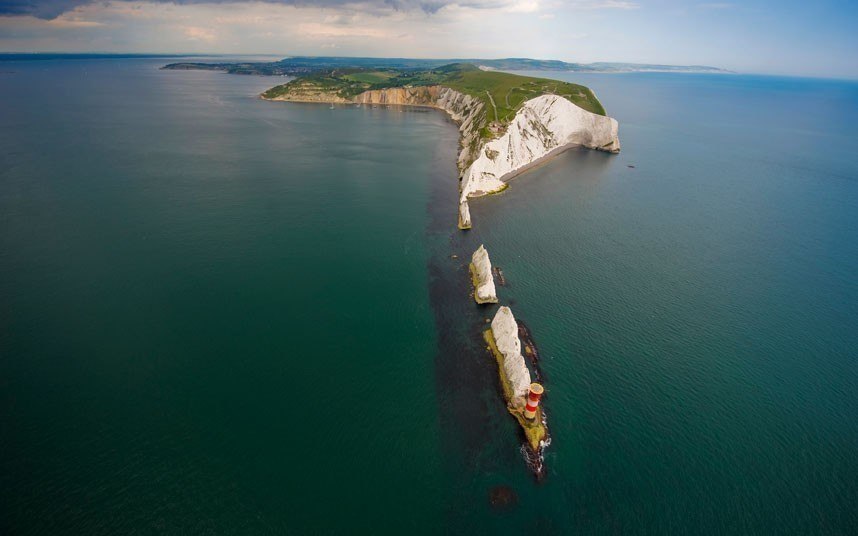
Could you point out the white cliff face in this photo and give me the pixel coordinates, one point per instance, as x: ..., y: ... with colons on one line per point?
x: 505, y: 333
x: 466, y: 111
x: 541, y: 127
x: 484, y: 281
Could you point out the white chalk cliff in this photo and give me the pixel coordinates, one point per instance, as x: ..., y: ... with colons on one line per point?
x: 484, y: 281
x: 505, y: 333
x: 542, y: 127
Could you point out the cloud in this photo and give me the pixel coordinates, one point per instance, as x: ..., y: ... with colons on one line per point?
x: 315, y: 29
x: 50, y: 9
x: 360, y: 28
x: 196, y: 33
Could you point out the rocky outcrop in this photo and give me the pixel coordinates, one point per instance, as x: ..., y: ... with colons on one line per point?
x: 542, y: 127
x: 481, y: 273
x: 505, y: 333
x: 464, y: 215
x: 469, y: 113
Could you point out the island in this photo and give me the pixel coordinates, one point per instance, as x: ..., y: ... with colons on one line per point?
x: 508, y: 123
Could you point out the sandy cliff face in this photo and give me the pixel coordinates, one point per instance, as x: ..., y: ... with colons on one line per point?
x: 542, y: 126
x: 505, y: 332
x: 484, y: 281
x: 413, y: 96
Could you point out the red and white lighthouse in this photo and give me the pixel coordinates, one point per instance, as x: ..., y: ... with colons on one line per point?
x: 533, y: 397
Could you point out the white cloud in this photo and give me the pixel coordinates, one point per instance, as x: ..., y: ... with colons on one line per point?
x: 197, y: 33
x: 315, y: 29
x: 364, y: 28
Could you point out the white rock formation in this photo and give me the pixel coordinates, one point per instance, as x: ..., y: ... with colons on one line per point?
x: 464, y: 215
x: 466, y: 111
x: 484, y: 281
x: 505, y: 333
x: 542, y: 127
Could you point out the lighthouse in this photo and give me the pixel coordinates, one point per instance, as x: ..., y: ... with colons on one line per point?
x: 533, y: 396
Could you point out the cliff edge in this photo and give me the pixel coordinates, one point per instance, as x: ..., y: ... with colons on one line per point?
x: 542, y: 127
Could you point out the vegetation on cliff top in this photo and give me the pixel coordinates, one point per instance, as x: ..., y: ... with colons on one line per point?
x: 502, y: 93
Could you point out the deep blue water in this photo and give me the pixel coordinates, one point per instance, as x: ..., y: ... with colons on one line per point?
x: 225, y: 315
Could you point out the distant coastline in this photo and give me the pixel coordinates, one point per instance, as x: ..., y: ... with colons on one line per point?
x: 302, y: 65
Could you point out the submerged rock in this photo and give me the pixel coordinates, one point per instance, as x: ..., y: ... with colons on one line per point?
x: 502, y: 497
x: 481, y: 273
x: 505, y: 333
x: 542, y: 127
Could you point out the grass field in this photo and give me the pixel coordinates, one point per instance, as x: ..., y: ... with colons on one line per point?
x: 373, y: 77
x: 509, y: 91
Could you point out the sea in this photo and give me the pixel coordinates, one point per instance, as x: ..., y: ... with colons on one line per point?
x: 223, y: 315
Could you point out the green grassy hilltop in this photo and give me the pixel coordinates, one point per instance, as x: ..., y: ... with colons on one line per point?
x: 502, y: 93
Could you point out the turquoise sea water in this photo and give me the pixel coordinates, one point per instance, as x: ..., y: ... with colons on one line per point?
x: 224, y: 315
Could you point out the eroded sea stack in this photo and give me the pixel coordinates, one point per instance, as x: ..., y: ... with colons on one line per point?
x: 481, y: 274
x: 517, y: 376
x: 504, y: 344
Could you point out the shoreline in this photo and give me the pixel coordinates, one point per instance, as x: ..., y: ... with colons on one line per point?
x: 359, y: 104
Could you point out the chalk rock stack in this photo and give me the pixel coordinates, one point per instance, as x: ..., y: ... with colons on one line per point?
x: 484, y: 281
x: 464, y: 215
x: 505, y: 333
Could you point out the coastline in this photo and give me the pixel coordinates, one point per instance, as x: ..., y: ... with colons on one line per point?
x: 359, y: 104
x: 544, y: 159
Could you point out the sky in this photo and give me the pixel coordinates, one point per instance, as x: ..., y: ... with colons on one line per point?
x: 804, y: 38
